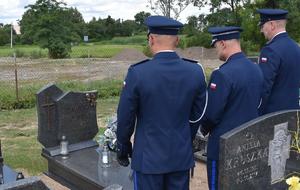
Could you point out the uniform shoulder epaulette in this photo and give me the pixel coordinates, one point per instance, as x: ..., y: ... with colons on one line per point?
x: 189, y: 60
x: 140, y: 62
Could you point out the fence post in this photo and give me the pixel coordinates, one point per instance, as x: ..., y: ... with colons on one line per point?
x: 16, y: 77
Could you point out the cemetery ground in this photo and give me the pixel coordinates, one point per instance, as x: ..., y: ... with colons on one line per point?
x: 22, y: 151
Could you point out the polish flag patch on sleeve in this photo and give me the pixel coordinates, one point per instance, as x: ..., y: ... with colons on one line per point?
x: 213, y: 86
x: 264, y: 59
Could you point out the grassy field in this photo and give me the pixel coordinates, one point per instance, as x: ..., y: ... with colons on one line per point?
x: 18, y: 132
x: 105, y: 88
x: 80, y: 51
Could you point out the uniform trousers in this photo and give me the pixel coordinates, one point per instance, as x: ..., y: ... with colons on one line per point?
x: 168, y: 181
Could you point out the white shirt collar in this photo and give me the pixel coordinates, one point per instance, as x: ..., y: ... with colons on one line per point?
x: 167, y: 50
x: 276, y: 35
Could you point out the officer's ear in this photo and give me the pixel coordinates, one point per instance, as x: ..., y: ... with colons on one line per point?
x: 222, y: 44
x: 150, y: 39
x: 273, y: 24
x: 177, y: 40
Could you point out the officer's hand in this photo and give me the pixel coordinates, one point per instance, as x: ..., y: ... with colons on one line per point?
x: 123, y: 160
x: 124, y: 151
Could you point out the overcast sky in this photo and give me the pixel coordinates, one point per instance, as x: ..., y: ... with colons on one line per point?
x: 12, y: 10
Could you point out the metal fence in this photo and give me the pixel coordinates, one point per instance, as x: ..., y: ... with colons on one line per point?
x: 18, y: 75
x: 24, y: 72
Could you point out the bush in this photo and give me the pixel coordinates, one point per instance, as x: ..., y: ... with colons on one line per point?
x: 19, y: 53
x: 58, y: 50
x: 202, y: 39
x: 249, y: 47
x: 36, y: 54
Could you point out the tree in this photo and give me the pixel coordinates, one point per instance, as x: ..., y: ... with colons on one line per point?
x: 169, y: 8
x: 4, y: 37
x: 140, y: 17
x: 48, y: 23
x: 77, y: 24
x: 139, y: 20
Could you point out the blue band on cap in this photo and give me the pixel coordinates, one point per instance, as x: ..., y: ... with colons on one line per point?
x: 224, y: 33
x: 162, y: 25
x: 271, y: 14
x: 164, y: 31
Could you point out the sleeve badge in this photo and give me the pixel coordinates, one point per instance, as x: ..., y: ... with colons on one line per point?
x: 213, y: 86
x: 264, y: 60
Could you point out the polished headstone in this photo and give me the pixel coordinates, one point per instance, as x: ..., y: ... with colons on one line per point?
x: 70, y: 114
x: 47, y: 115
x: 83, y: 170
x: 261, y: 154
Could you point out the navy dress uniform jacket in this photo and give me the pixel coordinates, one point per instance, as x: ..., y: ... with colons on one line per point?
x: 234, y: 94
x: 162, y: 99
x: 280, y: 64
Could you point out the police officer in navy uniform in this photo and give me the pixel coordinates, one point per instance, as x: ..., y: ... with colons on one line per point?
x: 163, y: 101
x: 234, y: 94
x: 280, y: 63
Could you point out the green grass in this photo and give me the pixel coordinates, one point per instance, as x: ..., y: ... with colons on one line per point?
x: 27, y: 99
x: 132, y: 40
x: 18, y: 132
x: 80, y: 51
x: 100, y: 51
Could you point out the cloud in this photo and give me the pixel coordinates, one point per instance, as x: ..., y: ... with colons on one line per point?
x: 12, y: 10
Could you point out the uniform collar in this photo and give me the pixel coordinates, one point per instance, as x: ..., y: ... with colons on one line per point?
x: 278, y: 35
x: 235, y: 56
x: 166, y: 55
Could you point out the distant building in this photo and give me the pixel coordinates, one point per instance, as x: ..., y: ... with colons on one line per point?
x: 17, y: 29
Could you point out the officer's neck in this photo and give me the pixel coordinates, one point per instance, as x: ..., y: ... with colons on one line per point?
x: 277, y: 32
x: 163, y: 49
x: 232, y: 51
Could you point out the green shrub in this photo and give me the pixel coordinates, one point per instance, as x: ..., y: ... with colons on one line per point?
x: 202, y: 39
x: 36, y: 54
x: 19, y: 53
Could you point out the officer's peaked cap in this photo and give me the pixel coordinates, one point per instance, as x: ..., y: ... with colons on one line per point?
x: 162, y: 25
x: 271, y: 14
x: 224, y: 33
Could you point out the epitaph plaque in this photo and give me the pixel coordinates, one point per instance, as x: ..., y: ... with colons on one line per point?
x: 261, y: 154
x: 72, y: 114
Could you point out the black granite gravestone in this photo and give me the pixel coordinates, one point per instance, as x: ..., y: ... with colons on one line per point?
x: 73, y: 115
x: 70, y: 114
x: 261, y: 154
x: 82, y: 170
x: 11, y: 180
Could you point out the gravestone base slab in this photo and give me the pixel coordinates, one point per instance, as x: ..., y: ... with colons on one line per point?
x: 54, y: 151
x: 82, y: 170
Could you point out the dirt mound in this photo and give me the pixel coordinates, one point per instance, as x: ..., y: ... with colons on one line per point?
x: 197, y: 53
x: 129, y: 55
